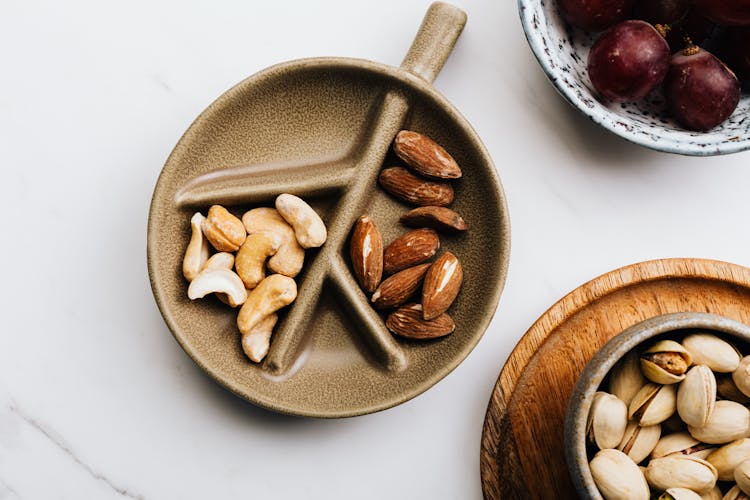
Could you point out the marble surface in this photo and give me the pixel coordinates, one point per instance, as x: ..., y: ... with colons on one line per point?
x: 96, y: 398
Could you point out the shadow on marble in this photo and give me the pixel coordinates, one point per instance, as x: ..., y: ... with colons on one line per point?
x: 602, y: 148
x: 575, y: 132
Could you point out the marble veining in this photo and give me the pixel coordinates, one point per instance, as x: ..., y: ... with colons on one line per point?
x: 6, y: 491
x: 60, y: 443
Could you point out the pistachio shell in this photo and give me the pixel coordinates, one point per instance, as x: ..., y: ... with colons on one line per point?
x: 679, y: 494
x: 742, y: 476
x: 735, y: 494
x: 728, y: 422
x: 741, y: 376
x: 638, y: 442
x: 681, y: 471
x: 727, y: 389
x: 670, y: 346
x: 658, y: 375
x: 607, y: 420
x: 728, y: 457
x: 618, y: 477
x: 626, y: 379
x: 706, y: 349
x: 665, y: 362
x: 712, y: 494
x: 653, y: 404
x: 696, y: 396
x: 679, y: 442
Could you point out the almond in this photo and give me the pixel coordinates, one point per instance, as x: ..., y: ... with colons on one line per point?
x: 409, y: 188
x: 440, y: 218
x: 398, y: 288
x: 366, y: 252
x: 425, y: 155
x: 441, y: 285
x: 407, y: 322
x: 410, y: 249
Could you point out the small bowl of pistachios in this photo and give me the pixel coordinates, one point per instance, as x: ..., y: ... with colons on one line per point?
x: 661, y: 411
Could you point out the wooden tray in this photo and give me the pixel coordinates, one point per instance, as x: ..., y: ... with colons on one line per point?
x: 522, y: 453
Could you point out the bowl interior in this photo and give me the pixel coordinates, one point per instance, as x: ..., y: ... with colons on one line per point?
x: 563, y: 51
x: 311, y: 111
x: 594, y: 376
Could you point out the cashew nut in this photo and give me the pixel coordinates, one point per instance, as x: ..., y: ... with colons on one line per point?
x: 197, y: 250
x: 257, y: 341
x: 251, y: 259
x: 218, y: 281
x: 269, y: 296
x: 290, y: 256
x: 308, y: 227
x: 221, y: 260
x: 223, y: 230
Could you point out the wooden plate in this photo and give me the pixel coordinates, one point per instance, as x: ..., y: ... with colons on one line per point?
x: 522, y: 453
x: 322, y: 129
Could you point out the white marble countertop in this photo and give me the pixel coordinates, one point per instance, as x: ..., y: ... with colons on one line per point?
x: 96, y: 398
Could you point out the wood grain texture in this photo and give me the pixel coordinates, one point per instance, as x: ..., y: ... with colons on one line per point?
x: 522, y: 453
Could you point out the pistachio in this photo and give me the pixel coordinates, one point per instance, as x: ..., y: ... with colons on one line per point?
x: 653, y: 404
x: 706, y: 349
x: 728, y: 457
x: 696, y: 396
x: 681, y: 443
x: 735, y: 493
x: 626, y: 378
x: 713, y: 494
x: 741, y: 376
x: 742, y: 476
x: 679, y: 494
x: 665, y: 362
x: 727, y: 389
x: 638, y: 442
x: 681, y: 471
x: 728, y: 422
x: 617, y: 477
x: 607, y: 420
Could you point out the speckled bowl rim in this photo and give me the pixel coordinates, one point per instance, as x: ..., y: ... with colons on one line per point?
x: 334, y: 63
x: 600, y: 365
x: 665, y: 145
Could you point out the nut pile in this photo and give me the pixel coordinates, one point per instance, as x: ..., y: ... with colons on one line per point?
x: 674, y: 423
x: 406, y: 259
x: 272, y: 239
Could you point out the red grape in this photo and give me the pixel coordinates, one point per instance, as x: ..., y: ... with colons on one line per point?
x: 628, y: 61
x: 660, y: 11
x: 725, y: 12
x: 594, y: 15
x: 701, y: 91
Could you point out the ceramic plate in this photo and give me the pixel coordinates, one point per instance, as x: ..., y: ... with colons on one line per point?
x: 330, y: 121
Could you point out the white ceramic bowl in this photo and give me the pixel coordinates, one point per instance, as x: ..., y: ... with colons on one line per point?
x: 563, y: 51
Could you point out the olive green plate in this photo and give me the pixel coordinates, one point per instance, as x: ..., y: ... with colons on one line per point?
x: 322, y: 129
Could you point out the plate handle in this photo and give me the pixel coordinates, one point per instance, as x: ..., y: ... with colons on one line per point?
x: 440, y: 29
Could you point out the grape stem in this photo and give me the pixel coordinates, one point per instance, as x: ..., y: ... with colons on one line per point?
x: 663, y: 29
x: 691, y: 48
